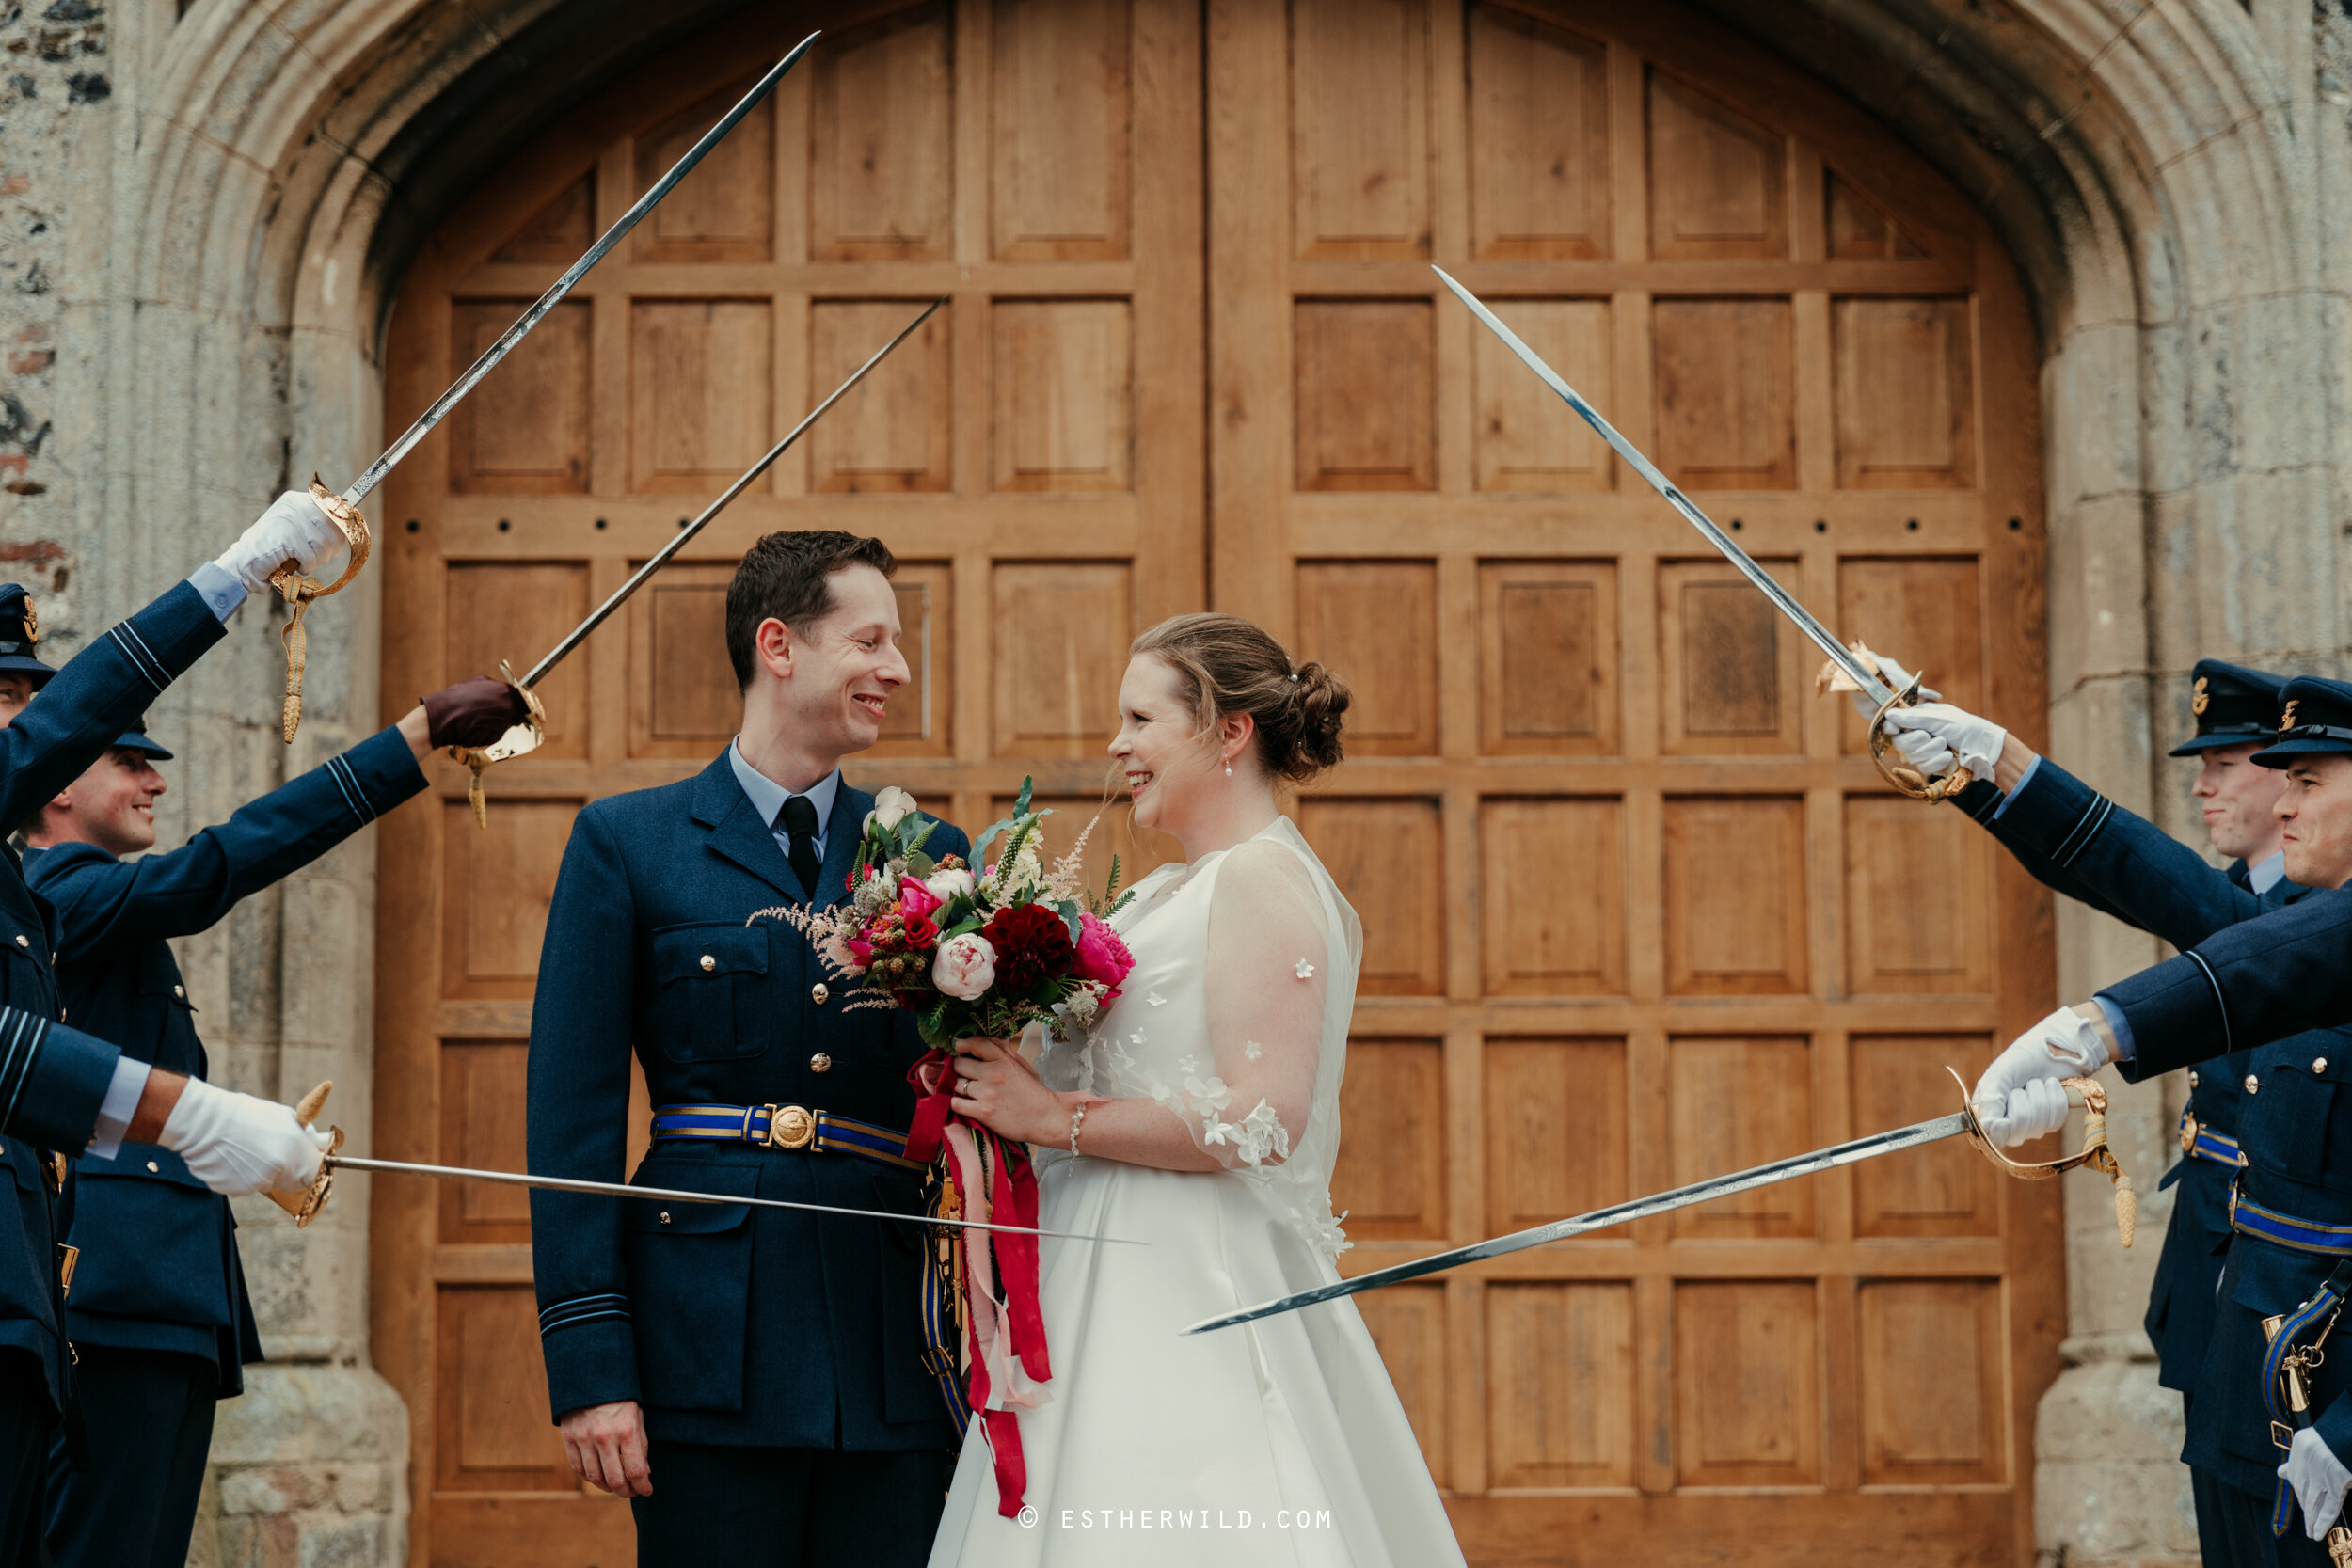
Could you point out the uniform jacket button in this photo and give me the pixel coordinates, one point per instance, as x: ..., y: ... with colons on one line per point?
x: 2254, y: 1085
x: 666, y: 1216
x: 818, y: 994
x: 180, y: 992
x: 709, y: 963
x: 820, y: 1063
x: 153, y: 1166
x: 24, y: 940
x: 2319, y: 1064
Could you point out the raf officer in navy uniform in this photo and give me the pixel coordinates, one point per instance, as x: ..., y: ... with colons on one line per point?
x: 158, y: 1315
x: 2291, y: 1212
x: 2081, y: 844
x: 753, y: 1380
x: 59, y: 1087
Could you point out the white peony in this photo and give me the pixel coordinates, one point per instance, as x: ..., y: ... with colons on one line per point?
x: 947, y: 886
x: 891, y: 807
x: 965, y: 967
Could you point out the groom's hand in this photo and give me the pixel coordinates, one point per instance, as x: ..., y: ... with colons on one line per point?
x: 606, y: 1444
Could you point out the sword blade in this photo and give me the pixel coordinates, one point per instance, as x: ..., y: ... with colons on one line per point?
x: 620, y: 596
x: 1765, y: 1175
x: 546, y: 301
x: 1866, y: 679
x: 681, y: 1195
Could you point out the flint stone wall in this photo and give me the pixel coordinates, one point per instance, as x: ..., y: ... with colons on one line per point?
x: 203, y: 214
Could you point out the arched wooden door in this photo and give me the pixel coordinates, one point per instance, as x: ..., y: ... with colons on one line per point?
x: 1638, y: 910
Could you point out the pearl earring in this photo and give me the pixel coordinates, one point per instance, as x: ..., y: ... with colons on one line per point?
x: 1229, y: 769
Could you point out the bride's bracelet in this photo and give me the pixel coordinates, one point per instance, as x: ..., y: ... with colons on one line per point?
x: 1078, y: 1118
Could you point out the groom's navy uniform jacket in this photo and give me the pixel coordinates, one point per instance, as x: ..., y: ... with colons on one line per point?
x: 731, y: 1325
x: 159, y: 1268
x: 52, y: 1079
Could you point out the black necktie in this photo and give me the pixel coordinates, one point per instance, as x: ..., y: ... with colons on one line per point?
x: 799, y: 820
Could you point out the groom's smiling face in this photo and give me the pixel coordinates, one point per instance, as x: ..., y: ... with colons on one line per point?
x: 846, y: 664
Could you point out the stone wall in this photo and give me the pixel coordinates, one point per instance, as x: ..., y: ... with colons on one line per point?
x: 202, y: 214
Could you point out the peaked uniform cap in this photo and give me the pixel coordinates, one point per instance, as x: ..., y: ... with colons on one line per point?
x: 20, y: 633
x: 2315, y: 717
x: 2233, y: 705
x: 135, y: 739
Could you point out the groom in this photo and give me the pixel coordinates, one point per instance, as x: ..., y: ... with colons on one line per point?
x: 752, y: 1379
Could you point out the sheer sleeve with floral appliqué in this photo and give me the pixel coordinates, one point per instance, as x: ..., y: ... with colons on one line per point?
x: 1269, y: 969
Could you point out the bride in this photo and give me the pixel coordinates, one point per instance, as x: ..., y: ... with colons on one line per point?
x: 1200, y: 1113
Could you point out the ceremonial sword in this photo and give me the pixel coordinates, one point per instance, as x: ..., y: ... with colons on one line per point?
x: 1857, y: 668
x: 2083, y: 1092
x: 300, y: 590
x: 304, y: 1206
x: 527, y: 736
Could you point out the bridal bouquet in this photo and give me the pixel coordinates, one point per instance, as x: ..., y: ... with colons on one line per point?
x: 976, y: 949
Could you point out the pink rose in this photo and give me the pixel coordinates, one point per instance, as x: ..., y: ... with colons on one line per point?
x: 965, y: 967
x: 1102, y: 956
x: 914, y: 898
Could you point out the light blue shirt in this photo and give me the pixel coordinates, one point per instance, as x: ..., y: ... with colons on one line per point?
x: 220, y: 590
x: 2268, y: 873
x: 767, y: 799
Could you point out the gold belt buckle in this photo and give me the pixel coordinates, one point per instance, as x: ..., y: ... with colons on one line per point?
x: 791, y: 1127
x: 2188, y: 1132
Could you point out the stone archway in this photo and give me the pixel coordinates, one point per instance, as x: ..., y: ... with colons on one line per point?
x: 2159, y: 173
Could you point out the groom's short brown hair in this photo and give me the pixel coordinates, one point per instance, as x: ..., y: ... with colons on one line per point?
x: 785, y: 576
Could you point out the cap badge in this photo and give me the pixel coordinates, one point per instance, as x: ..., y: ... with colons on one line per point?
x: 2286, y: 720
x: 2197, y: 703
x: 32, y: 621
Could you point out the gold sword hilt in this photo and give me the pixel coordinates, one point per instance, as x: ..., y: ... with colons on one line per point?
x: 2089, y: 1095
x: 300, y: 591
x: 304, y: 1206
x: 526, y: 737
x: 1907, y: 780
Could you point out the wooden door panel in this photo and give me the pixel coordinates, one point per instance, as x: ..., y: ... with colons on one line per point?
x: 1033, y: 455
x: 1632, y: 906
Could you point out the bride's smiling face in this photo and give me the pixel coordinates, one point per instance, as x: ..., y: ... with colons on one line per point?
x: 1159, y: 744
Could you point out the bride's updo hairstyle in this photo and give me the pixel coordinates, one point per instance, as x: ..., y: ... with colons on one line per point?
x: 1226, y: 665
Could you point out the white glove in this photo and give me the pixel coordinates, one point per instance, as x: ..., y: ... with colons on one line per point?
x: 294, y: 529
x: 1951, y: 733
x: 1896, y: 676
x: 2021, y: 1096
x: 237, y: 1143
x: 2318, y: 1478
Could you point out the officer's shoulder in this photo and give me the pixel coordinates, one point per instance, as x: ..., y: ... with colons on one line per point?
x: 634, y: 808
x: 63, y: 861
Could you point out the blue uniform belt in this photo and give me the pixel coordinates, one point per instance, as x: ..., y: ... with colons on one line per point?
x: 2328, y: 1240
x: 2204, y: 1142
x: 786, y: 1127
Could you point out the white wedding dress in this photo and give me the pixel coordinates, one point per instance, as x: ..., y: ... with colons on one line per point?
x: 1280, y: 1442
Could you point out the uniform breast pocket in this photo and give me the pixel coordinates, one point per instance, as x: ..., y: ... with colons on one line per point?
x: 2289, y: 1123
x: 159, y: 976
x: 715, y: 1003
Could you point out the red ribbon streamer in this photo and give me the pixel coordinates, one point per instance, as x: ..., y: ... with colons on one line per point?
x: 1013, y: 1262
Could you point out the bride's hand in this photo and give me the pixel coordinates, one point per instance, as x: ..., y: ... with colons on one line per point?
x: 1001, y: 1091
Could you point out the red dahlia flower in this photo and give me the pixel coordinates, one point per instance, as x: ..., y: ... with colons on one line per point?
x: 1032, y: 943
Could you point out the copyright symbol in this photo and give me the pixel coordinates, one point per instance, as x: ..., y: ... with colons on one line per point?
x: 1027, y: 1516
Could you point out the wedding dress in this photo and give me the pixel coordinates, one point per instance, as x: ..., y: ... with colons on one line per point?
x: 1278, y: 1442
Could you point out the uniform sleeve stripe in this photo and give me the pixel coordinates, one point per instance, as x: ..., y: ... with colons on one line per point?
x: 621, y: 1312
x: 142, y: 658
x: 2093, y: 818
x: 26, y: 1033
x: 348, y: 781
x: 2220, y: 1002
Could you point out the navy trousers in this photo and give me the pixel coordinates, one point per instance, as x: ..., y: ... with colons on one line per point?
x: 24, y: 1422
x: 149, y: 1418
x: 783, y: 1508
x: 2241, y: 1535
